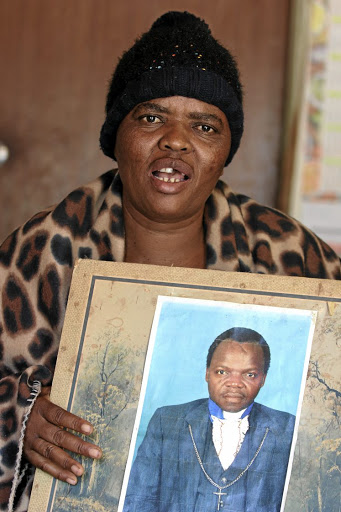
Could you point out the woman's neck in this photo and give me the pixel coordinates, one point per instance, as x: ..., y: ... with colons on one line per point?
x: 154, y: 243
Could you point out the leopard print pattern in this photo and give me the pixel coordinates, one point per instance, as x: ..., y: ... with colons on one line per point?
x: 36, y: 263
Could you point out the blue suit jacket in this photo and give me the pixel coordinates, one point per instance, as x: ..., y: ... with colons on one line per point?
x: 166, y: 475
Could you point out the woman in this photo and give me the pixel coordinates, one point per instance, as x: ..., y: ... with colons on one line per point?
x: 174, y: 120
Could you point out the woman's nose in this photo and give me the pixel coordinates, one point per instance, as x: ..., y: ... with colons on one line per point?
x: 175, y: 138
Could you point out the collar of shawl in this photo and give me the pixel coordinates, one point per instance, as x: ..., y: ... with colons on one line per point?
x: 240, y: 234
x: 225, y: 233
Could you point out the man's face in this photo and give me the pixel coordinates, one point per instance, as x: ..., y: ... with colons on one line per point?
x: 170, y: 153
x: 235, y: 375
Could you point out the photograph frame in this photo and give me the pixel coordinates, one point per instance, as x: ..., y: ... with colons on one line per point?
x: 140, y: 285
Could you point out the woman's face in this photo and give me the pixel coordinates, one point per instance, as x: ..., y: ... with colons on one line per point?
x: 170, y: 153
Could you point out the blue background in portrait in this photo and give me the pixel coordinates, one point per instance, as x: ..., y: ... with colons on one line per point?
x: 186, y: 330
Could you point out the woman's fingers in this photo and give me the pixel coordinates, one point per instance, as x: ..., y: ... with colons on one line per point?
x: 57, y: 437
x: 58, y: 416
x: 58, y: 463
x: 46, y: 439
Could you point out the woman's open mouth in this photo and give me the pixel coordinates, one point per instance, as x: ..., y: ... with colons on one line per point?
x: 170, y: 175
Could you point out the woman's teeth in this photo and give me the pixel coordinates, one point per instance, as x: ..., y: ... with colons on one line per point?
x: 172, y: 179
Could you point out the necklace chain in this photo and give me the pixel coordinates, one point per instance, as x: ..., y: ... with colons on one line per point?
x: 240, y: 474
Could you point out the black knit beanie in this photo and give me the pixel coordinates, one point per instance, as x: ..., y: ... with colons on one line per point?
x: 177, y: 57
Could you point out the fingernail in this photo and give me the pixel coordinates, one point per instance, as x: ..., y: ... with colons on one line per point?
x: 71, y: 481
x: 76, y: 470
x: 94, y: 453
x: 86, y: 428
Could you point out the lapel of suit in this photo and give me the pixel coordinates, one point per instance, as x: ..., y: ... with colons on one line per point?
x: 198, y: 419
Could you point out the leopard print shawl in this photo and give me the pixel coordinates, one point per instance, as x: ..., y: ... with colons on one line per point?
x: 36, y: 263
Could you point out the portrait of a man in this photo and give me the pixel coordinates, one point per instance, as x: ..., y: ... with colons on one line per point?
x: 225, y: 452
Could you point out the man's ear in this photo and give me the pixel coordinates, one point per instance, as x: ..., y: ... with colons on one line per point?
x: 264, y: 378
x: 206, y: 376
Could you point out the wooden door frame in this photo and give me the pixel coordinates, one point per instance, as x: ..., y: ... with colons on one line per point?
x: 295, y: 106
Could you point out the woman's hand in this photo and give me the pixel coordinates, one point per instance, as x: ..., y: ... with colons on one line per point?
x: 45, y: 440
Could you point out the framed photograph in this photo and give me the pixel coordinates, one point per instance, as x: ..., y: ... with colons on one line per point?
x: 135, y: 360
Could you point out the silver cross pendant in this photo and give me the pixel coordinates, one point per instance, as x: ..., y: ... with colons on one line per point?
x: 220, y: 501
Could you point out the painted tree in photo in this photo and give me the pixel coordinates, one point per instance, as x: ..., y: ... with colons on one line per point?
x: 106, y: 396
x: 316, y: 476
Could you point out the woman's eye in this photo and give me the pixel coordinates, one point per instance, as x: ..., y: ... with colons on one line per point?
x: 206, y: 128
x: 151, y: 119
